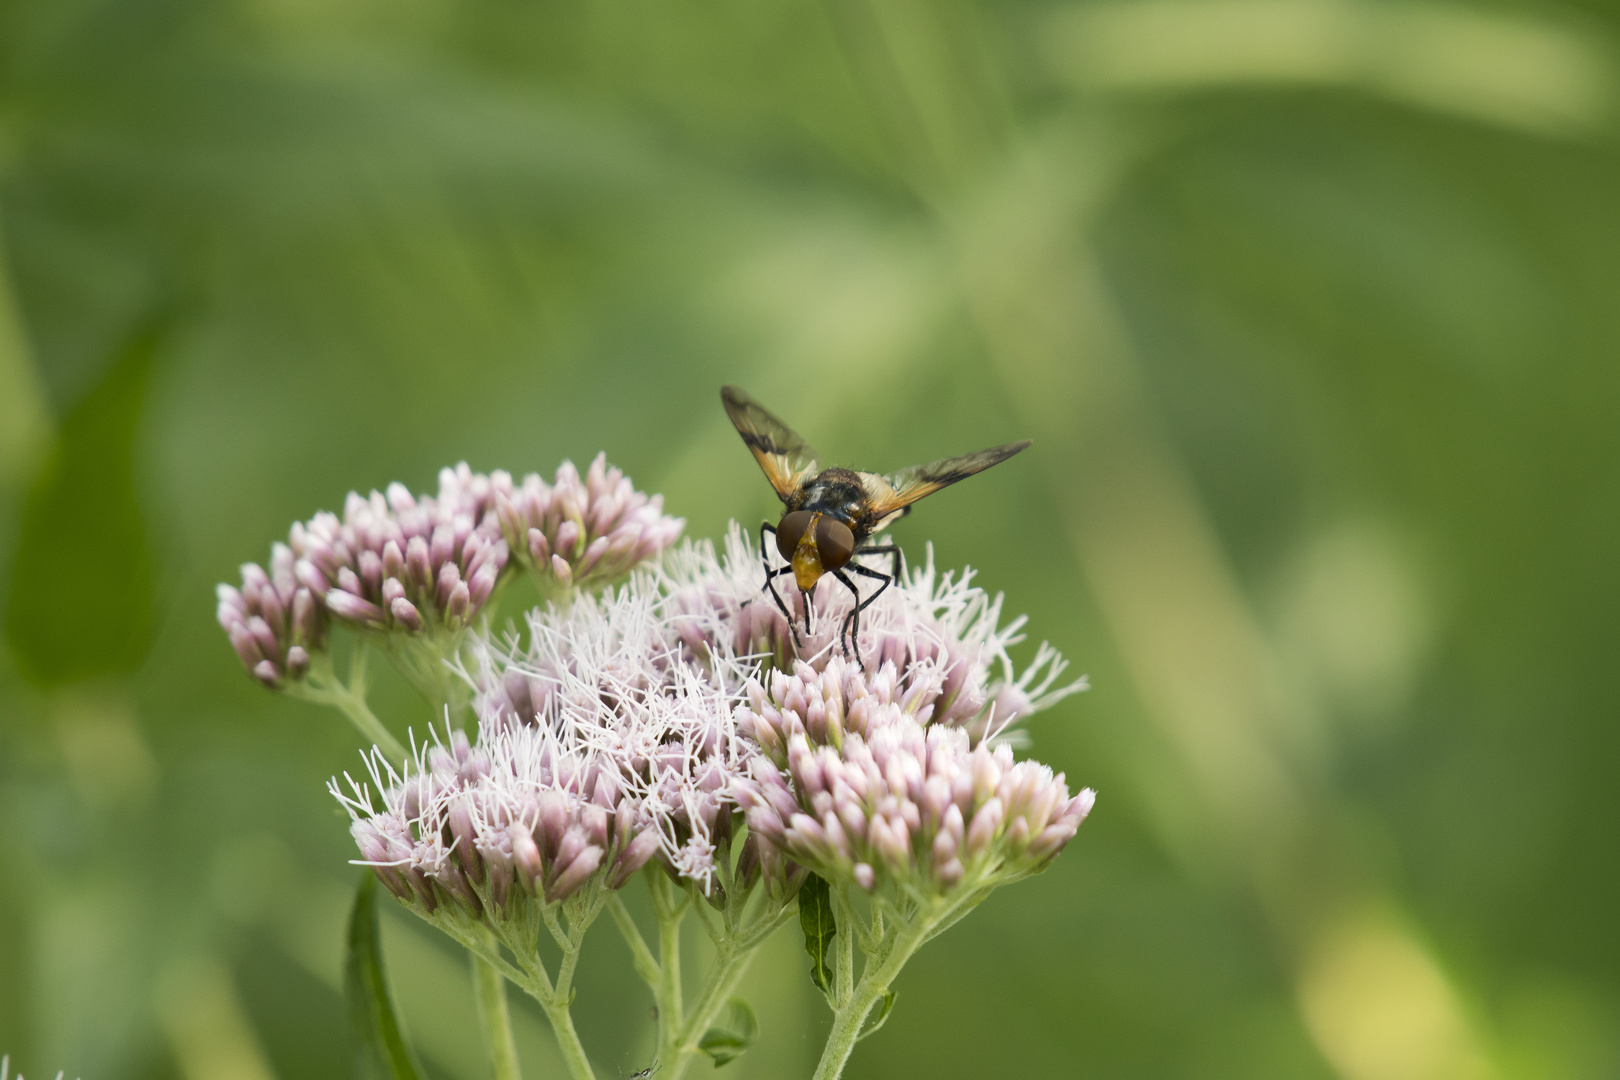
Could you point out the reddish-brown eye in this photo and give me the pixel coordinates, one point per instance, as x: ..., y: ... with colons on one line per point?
x: 789, y: 530
x: 834, y: 541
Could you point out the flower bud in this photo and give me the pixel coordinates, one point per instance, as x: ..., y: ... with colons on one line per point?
x: 984, y: 827
x: 633, y: 858
x: 526, y: 858
x: 583, y: 866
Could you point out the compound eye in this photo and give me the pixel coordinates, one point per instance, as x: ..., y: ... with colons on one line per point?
x: 790, y: 530
x: 834, y: 541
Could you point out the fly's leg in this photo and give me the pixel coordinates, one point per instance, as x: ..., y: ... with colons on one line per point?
x: 853, y: 615
x: 853, y: 619
x: 771, y: 575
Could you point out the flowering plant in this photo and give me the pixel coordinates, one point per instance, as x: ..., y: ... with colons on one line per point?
x: 653, y: 720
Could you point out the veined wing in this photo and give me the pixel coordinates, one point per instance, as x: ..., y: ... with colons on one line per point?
x: 892, y: 496
x: 780, y: 450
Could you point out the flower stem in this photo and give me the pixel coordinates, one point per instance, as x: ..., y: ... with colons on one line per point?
x: 881, y: 969
x: 671, y: 912
x: 489, y: 988
x: 323, y: 687
x: 729, y: 966
x: 573, y: 1051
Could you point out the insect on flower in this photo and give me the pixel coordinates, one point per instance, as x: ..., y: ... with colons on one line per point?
x: 832, y: 514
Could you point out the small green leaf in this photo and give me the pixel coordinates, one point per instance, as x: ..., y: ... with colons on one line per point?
x: 382, y: 1050
x: 816, y: 917
x: 884, y: 1008
x: 726, y: 1043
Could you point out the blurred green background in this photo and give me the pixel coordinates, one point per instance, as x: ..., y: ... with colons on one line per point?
x: 1311, y: 306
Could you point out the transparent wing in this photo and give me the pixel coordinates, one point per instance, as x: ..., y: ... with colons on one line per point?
x: 780, y: 450
x: 891, y: 496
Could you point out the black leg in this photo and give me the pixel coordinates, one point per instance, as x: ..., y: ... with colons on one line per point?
x: 770, y: 575
x: 853, y: 616
x: 896, y: 567
x: 899, y: 564
x: 853, y: 619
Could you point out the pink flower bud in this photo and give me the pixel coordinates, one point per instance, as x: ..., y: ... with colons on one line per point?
x: 418, y: 566
x: 985, y: 824
x: 393, y: 560
x: 266, y: 673
x: 583, y: 866
x: 406, y: 615
x: 633, y: 858
x: 526, y: 858
x: 346, y: 605
x: 595, y: 820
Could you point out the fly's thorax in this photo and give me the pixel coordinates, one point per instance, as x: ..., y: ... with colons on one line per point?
x: 836, y: 492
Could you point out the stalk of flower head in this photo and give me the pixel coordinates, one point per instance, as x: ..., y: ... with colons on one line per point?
x: 611, y: 675
x: 888, y: 776
x: 410, y: 575
x: 921, y: 712
x: 600, y: 751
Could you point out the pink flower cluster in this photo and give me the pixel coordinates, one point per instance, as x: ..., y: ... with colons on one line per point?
x: 273, y: 621
x: 403, y: 562
x: 412, y: 565
x: 856, y: 784
x: 598, y: 749
x: 519, y: 817
x: 637, y: 724
x: 583, y: 531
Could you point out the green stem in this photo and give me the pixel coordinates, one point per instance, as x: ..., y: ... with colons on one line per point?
x: 731, y: 961
x: 646, y: 964
x: 875, y: 981
x: 670, y: 913
x: 369, y: 727
x: 489, y: 988
x: 573, y: 1051
x: 728, y: 970
x: 323, y: 687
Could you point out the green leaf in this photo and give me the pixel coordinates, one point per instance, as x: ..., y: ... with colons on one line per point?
x: 382, y: 1050
x: 884, y: 1008
x: 816, y: 917
x: 726, y: 1044
x: 81, y: 589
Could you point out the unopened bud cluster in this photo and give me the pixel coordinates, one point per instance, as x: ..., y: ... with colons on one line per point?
x: 273, y: 621
x: 415, y: 565
x: 401, y: 562
x: 580, y: 531
x: 856, y: 784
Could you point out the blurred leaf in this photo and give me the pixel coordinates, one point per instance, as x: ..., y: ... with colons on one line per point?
x: 80, y: 603
x: 816, y: 917
x: 382, y: 1050
x: 726, y: 1044
x: 885, y: 1007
